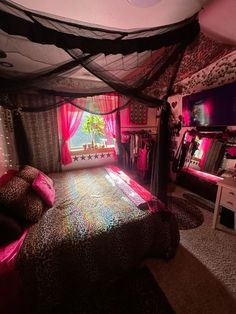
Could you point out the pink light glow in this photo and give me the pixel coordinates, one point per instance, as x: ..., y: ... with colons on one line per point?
x: 204, y: 175
x: 146, y: 195
x: 186, y: 117
x: 204, y: 146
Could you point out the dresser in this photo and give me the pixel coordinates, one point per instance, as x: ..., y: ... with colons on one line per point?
x: 226, y: 197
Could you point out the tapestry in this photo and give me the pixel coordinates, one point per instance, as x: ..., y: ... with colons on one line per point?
x: 138, y: 113
x: 198, y: 55
x: 219, y: 73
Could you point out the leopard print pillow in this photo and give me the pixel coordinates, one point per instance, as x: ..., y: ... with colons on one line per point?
x: 28, y: 173
x: 20, y: 201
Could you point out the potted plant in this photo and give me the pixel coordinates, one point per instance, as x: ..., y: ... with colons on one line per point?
x: 93, y: 125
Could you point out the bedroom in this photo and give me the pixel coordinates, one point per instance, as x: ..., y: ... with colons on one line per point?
x: 47, y: 62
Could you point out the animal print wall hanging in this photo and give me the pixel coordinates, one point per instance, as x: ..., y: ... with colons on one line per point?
x: 138, y: 113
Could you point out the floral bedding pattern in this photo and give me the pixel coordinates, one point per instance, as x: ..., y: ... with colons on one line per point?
x: 91, y: 236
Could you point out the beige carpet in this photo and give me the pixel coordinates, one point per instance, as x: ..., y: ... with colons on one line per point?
x: 202, y: 276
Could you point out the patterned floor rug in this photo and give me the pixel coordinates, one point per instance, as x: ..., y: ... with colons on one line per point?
x: 137, y: 292
x: 188, y: 215
x: 200, y: 201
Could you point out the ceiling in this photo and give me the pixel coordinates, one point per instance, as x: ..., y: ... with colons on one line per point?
x: 116, y: 14
x: 217, y: 17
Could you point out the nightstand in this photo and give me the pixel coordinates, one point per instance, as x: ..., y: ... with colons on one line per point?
x: 226, y: 197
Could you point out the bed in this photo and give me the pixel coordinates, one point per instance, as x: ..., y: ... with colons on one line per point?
x: 93, y: 235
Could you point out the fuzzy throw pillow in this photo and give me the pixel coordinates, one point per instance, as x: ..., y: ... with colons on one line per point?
x: 20, y: 201
x: 43, y: 185
x: 28, y: 173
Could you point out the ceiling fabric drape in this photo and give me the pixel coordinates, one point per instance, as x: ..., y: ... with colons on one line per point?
x: 129, y: 62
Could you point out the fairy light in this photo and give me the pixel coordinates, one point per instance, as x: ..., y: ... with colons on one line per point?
x: 6, y: 157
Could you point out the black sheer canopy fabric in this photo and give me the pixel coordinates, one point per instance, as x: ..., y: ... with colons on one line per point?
x: 78, y: 60
x: 74, y: 60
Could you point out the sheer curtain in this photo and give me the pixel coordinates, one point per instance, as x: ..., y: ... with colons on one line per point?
x: 108, y: 103
x: 70, y: 118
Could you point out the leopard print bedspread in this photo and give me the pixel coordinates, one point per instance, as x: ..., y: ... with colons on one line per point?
x: 92, y: 235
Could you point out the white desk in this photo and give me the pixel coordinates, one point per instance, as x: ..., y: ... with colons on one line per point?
x: 226, y: 197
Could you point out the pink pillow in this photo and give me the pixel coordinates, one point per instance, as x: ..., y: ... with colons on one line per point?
x: 7, y: 177
x: 43, y: 185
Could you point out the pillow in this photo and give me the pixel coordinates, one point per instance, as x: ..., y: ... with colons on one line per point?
x: 43, y: 185
x: 7, y: 177
x: 28, y: 173
x: 21, y: 201
x: 10, y: 230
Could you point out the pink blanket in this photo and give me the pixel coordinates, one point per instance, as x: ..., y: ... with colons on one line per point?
x: 8, y: 254
x: 11, y: 290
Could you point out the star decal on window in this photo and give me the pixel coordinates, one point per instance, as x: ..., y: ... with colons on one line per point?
x: 102, y: 155
x: 82, y: 157
x: 96, y: 156
x: 89, y: 157
x: 108, y: 155
x: 76, y: 158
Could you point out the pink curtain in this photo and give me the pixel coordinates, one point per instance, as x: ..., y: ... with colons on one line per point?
x: 70, y: 118
x: 110, y: 125
x: 107, y: 103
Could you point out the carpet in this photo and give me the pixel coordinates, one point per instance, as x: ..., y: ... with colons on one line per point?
x: 137, y: 292
x: 187, y: 214
x: 200, y: 201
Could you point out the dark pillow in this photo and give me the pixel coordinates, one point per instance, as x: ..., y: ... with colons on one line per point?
x: 10, y: 230
x: 28, y: 173
x: 21, y: 201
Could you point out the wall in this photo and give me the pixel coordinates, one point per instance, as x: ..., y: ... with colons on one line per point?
x: 102, y: 157
x: 127, y: 125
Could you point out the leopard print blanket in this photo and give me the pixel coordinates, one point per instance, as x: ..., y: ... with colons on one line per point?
x: 91, y: 236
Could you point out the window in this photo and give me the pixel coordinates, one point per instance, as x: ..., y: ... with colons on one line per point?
x: 80, y: 139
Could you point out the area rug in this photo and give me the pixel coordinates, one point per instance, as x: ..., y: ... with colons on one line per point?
x: 188, y: 215
x: 136, y: 292
x: 200, y: 201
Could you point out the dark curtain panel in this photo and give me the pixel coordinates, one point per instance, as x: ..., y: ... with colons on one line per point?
x: 160, y: 171
x: 21, y: 142
x: 41, y: 133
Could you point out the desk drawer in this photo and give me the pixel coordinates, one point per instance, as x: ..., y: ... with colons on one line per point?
x: 228, y: 199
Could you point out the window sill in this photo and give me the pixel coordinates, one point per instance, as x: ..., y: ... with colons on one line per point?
x: 81, y: 151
